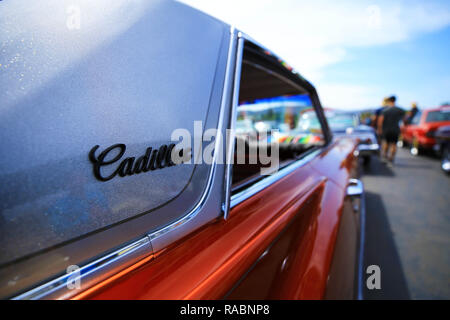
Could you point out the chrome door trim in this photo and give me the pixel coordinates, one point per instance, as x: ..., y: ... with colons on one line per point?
x: 355, y: 188
x: 91, y: 273
x: 362, y: 240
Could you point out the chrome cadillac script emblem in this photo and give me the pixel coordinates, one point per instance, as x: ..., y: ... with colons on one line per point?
x: 153, y: 159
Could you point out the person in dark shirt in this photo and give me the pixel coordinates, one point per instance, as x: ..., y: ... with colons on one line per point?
x: 412, y: 113
x: 389, y: 129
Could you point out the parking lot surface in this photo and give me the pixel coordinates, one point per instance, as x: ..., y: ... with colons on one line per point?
x: 408, y: 227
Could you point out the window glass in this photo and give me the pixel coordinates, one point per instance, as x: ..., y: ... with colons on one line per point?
x: 340, y: 121
x: 436, y: 116
x: 276, y: 122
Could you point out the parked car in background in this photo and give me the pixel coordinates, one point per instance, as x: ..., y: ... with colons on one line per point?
x: 346, y: 124
x: 419, y: 134
x: 349, y: 124
x: 442, y: 136
x: 92, y: 206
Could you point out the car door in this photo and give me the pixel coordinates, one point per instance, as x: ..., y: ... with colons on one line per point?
x: 276, y: 235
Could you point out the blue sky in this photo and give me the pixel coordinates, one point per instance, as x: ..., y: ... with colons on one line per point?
x: 415, y: 70
x: 354, y: 52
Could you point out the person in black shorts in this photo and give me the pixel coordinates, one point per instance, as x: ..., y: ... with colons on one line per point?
x: 389, y: 129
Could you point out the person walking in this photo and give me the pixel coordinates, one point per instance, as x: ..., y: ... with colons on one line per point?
x: 376, y: 116
x: 389, y: 129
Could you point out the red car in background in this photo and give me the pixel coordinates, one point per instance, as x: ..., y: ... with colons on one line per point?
x: 419, y: 133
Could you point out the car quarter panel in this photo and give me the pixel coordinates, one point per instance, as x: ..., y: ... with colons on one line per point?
x: 123, y: 84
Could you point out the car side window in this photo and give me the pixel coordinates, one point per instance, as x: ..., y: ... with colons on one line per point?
x: 272, y: 113
x: 416, y: 118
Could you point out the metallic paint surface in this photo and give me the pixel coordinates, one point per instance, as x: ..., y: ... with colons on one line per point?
x: 50, y: 183
x: 119, y: 91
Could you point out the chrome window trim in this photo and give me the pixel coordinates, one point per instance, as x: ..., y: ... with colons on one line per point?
x: 368, y: 147
x: 91, y: 273
x: 265, y: 182
x: 235, y: 199
x: 233, y: 116
x: 225, y: 100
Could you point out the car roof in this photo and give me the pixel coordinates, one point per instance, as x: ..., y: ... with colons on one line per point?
x: 445, y: 107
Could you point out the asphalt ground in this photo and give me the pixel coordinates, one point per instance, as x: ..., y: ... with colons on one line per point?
x: 408, y: 227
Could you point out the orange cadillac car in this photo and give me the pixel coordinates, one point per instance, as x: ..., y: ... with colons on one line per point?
x: 93, y: 206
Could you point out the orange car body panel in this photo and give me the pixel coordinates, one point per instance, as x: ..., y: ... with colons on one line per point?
x: 208, y: 263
